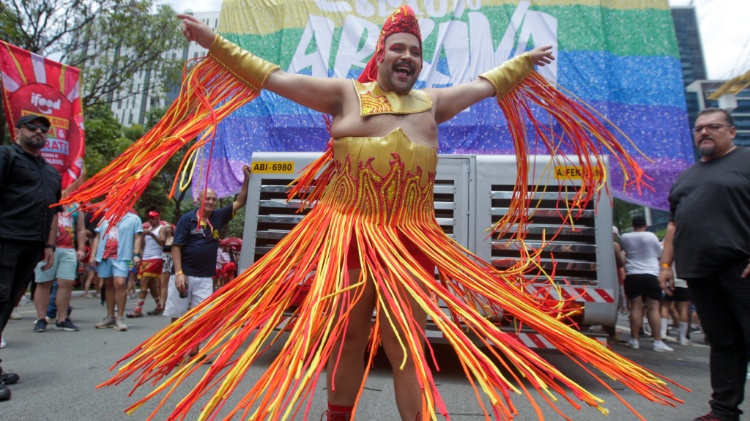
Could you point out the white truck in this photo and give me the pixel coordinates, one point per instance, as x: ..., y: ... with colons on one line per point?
x: 471, y: 193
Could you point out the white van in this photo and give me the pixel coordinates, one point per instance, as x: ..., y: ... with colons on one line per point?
x: 472, y: 192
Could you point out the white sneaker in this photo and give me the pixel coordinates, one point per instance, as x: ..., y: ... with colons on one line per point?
x: 3, y: 344
x: 685, y: 342
x: 120, y: 324
x: 633, y: 343
x: 660, y: 346
x: 16, y: 315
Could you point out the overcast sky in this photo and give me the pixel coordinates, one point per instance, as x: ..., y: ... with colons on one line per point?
x: 724, y: 27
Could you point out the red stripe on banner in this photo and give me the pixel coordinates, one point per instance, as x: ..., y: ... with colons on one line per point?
x: 54, y: 71
x: 8, y: 68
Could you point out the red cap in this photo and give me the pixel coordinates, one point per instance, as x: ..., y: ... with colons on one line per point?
x: 153, y: 213
x: 402, y: 19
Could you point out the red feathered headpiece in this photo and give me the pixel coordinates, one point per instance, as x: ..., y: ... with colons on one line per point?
x: 402, y: 19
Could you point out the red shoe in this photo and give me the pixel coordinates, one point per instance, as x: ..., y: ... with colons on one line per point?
x: 708, y: 417
x: 156, y: 312
x: 335, y: 416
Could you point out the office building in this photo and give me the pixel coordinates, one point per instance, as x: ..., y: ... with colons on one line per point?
x: 132, y: 109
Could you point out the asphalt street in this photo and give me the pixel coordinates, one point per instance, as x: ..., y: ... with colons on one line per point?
x: 60, y: 371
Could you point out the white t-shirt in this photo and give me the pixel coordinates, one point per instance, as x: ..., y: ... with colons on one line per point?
x: 152, y: 249
x: 642, y: 253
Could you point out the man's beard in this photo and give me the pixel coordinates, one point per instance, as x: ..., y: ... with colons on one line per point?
x: 708, y: 152
x: 34, y: 142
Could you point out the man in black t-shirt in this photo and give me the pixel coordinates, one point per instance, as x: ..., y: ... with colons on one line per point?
x: 28, y: 226
x: 708, y: 237
x: 194, y: 250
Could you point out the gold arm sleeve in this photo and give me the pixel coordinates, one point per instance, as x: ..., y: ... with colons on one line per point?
x: 509, y: 74
x: 244, y: 65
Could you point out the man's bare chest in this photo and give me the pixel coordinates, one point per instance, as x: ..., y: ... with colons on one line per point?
x: 420, y: 127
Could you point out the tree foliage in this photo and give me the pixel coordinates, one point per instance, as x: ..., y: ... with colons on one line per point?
x: 109, y: 40
x: 622, y: 214
x: 104, y: 138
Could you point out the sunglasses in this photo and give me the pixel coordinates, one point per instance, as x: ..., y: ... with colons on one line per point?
x: 710, y: 127
x: 34, y: 127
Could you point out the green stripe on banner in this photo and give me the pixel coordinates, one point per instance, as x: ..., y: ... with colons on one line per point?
x: 639, y: 32
x: 644, y: 32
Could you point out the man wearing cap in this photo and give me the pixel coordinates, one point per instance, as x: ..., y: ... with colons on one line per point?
x: 150, y: 270
x: 28, y: 226
x: 642, y: 252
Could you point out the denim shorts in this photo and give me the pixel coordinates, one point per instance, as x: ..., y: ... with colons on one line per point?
x: 108, y: 268
x: 64, y: 267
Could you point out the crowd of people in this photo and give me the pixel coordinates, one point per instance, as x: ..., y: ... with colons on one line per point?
x: 61, y: 247
x: 637, y: 254
x: 111, y: 267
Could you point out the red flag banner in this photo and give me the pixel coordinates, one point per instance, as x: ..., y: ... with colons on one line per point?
x: 33, y: 84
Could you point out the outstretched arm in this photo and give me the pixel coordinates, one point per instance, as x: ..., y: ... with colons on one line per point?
x: 497, y: 82
x: 242, y: 196
x: 321, y: 94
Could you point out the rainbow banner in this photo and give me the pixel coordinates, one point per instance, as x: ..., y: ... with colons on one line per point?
x: 33, y: 84
x: 619, y: 56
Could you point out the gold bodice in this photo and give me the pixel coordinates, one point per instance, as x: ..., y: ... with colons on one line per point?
x: 381, y: 152
x: 386, y: 178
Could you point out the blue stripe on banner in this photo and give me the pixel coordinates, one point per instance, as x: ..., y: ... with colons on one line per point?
x: 657, y: 131
x: 642, y: 80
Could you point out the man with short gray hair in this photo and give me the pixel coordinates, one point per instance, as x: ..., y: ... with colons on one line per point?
x: 196, y: 240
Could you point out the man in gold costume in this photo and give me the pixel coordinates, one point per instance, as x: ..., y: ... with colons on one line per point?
x: 382, y: 117
x: 370, y: 245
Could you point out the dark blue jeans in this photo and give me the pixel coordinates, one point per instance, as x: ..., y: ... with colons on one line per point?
x: 722, y: 301
x: 52, y: 307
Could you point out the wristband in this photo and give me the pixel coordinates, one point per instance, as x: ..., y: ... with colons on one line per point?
x: 136, y: 254
x: 179, y: 272
x: 509, y: 74
x: 666, y: 265
x: 245, y: 66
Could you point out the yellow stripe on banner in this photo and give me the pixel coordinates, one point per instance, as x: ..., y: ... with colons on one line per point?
x: 252, y: 17
x: 18, y: 65
x: 63, y: 69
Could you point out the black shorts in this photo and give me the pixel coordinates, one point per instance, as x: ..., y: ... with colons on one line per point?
x: 679, y: 294
x: 642, y: 285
